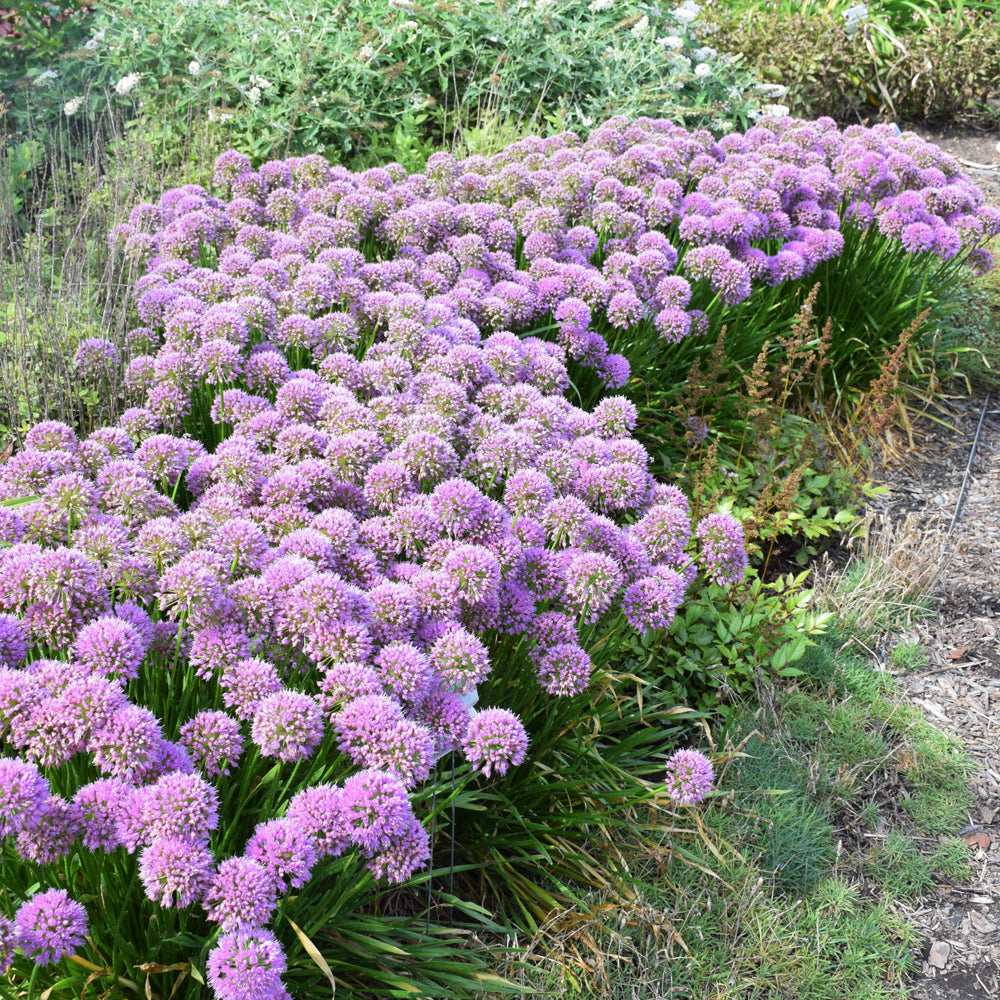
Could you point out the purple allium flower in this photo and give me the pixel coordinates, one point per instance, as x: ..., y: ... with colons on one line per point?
x: 665, y: 531
x: 217, y: 647
x: 495, y: 741
x: 175, y: 872
x: 343, y: 682
x: 373, y: 732
x: 592, y: 581
x: 689, y: 777
x: 8, y: 944
x: 13, y: 642
x: 446, y: 714
x: 110, y: 647
x: 319, y: 812
x: 49, y: 830
x: 95, y: 358
x: 563, y: 669
x: 179, y: 806
x: 126, y: 746
x: 101, y: 803
x: 49, y: 926
x: 242, y: 893
x: 376, y: 806
x: 285, y: 849
x: 247, y: 965
x: 652, y: 602
x: 213, y: 739
x: 51, y: 435
x: 404, y: 670
x: 475, y: 571
x: 723, y: 554
x: 460, y: 658
x: 409, y: 850
x: 287, y: 725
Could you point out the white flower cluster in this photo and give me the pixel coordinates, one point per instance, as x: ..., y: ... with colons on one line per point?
x: 673, y: 42
x: 194, y: 67
x: 687, y: 12
x: 72, y: 105
x: 641, y: 26
x: 599, y: 5
x: 45, y: 78
x: 127, y: 84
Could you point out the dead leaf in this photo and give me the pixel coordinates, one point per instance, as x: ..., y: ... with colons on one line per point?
x: 977, y: 838
x: 938, y: 956
x: 957, y: 654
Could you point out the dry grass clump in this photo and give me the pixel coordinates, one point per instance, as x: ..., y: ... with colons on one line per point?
x: 894, y: 569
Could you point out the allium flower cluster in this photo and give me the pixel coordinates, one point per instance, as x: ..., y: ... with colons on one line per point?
x: 689, y: 777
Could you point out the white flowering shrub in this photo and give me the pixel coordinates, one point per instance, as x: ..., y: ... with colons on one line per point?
x: 394, y: 78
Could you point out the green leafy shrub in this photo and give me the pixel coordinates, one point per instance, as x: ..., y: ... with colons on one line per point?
x: 392, y: 78
x: 923, y: 60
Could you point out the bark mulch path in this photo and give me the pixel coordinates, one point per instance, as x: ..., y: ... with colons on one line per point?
x: 959, y: 688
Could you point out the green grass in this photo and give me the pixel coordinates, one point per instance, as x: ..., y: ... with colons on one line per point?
x: 766, y: 904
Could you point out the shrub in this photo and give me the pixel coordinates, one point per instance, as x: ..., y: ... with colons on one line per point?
x: 396, y: 78
x: 908, y: 60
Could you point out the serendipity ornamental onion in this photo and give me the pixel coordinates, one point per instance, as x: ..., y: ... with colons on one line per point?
x: 49, y: 926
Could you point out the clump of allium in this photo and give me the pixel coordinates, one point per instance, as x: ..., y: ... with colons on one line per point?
x: 495, y: 741
x: 50, y: 925
x: 175, y: 872
x: 247, y: 965
x: 723, y: 554
x: 242, y: 893
x: 213, y: 739
x: 287, y: 725
x: 689, y: 777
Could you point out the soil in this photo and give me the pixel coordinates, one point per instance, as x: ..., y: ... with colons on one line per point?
x: 959, y: 688
x: 949, y: 482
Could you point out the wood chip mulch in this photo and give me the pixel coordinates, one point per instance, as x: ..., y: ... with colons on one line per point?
x: 959, y: 688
